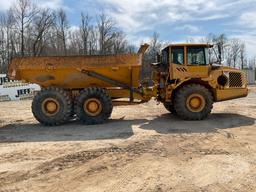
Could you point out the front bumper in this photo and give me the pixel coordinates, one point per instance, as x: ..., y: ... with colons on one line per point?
x: 231, y: 93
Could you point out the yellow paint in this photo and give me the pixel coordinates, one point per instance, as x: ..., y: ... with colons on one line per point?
x: 195, y: 102
x: 50, y: 107
x: 93, y: 107
x: 226, y: 94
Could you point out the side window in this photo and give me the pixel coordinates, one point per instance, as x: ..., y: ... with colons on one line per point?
x: 196, y: 56
x: 178, y: 55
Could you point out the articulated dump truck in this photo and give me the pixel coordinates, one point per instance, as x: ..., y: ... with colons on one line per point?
x: 87, y: 87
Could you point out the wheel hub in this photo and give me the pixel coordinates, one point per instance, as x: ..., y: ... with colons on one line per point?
x: 50, y: 107
x: 93, y: 107
x: 195, y: 102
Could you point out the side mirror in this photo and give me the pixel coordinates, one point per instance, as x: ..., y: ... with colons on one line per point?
x: 220, y: 52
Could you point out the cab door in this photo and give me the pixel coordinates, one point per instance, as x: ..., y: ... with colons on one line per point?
x: 197, y: 62
x: 178, y: 69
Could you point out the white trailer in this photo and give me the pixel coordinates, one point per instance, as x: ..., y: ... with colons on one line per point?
x: 16, y: 90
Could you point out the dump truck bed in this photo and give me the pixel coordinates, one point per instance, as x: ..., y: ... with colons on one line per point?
x: 65, y: 72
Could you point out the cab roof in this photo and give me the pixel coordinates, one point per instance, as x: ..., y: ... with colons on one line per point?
x: 190, y: 45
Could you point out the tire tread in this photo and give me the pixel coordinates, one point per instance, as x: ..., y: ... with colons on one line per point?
x: 89, y: 93
x: 180, y: 100
x: 64, y: 95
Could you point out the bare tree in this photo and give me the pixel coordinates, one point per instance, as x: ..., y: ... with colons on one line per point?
x: 62, y: 31
x: 119, y: 43
x: 229, y: 56
x: 221, y: 41
x: 106, y: 31
x: 85, y: 30
x: 93, y: 39
x: 150, y: 56
x: 131, y: 48
x: 41, y: 26
x: 252, y: 63
x: 23, y: 12
x: 7, y: 40
x: 243, y: 55
x: 155, y: 47
x: 2, y: 49
x: 235, y: 51
x: 75, y: 44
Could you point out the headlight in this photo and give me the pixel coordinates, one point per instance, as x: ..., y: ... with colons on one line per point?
x: 222, y: 80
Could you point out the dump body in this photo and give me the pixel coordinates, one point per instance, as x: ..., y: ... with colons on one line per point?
x: 65, y: 72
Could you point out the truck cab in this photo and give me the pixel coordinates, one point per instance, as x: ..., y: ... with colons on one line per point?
x: 187, y: 60
x: 188, y: 80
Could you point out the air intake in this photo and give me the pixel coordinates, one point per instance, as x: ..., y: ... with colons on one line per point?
x: 235, y: 79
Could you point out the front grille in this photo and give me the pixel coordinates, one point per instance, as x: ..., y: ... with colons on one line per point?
x: 235, y: 79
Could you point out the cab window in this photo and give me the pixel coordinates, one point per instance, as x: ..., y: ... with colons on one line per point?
x: 196, y: 56
x: 178, y: 55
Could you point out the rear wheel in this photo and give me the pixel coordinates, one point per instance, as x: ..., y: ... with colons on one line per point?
x: 52, y: 106
x: 169, y: 107
x: 193, y: 102
x: 93, y: 106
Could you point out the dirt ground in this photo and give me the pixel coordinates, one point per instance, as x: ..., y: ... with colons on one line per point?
x: 141, y: 148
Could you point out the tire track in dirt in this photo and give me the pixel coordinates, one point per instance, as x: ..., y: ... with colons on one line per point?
x: 179, y: 145
x: 79, y: 158
x: 127, y: 171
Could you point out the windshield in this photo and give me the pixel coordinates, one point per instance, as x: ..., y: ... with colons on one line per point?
x: 197, y: 56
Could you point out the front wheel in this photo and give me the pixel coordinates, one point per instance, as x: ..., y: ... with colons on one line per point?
x: 193, y: 102
x: 93, y: 106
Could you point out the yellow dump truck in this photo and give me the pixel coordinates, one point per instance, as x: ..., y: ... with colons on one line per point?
x: 87, y: 87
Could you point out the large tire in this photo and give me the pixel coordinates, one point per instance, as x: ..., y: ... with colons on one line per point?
x: 93, y: 106
x: 169, y: 107
x: 45, y: 102
x: 193, y: 102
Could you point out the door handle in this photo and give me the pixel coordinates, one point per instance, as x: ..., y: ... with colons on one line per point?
x: 115, y: 68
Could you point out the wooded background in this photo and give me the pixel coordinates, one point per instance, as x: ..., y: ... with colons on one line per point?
x: 29, y: 30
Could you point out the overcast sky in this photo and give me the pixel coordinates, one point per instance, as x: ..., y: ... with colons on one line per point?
x: 174, y: 20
